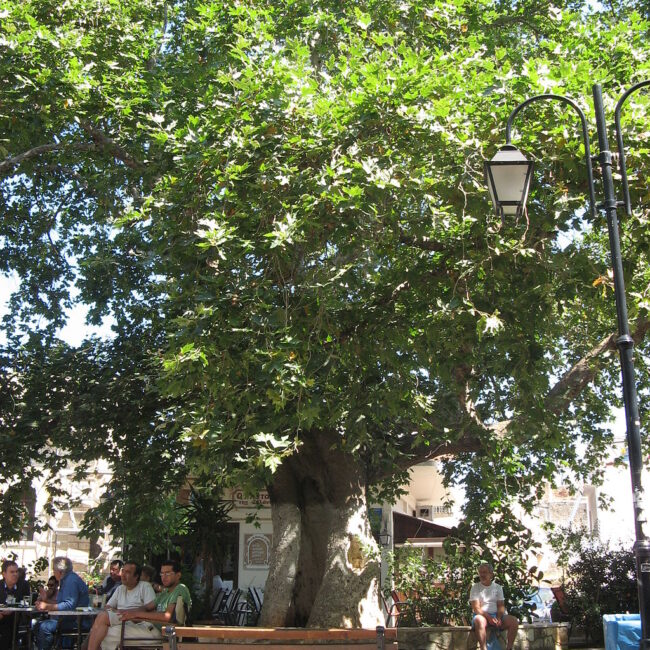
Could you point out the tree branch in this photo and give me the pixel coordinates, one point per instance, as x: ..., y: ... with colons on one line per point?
x: 515, y: 20
x: 423, y: 243
x: 467, y: 444
x: 574, y: 380
x: 462, y: 375
x: 584, y: 371
x: 151, y: 64
x: 568, y: 387
x: 14, y: 161
x: 110, y: 145
x: 100, y: 141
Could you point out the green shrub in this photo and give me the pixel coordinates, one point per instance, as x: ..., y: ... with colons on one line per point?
x: 437, y: 590
x: 601, y: 581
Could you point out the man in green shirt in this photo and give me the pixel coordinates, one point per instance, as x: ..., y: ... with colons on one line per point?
x: 165, y: 603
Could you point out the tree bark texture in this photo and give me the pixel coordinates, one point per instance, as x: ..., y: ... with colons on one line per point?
x: 325, y: 562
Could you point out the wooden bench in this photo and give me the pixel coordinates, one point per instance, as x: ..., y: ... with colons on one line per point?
x: 241, y: 638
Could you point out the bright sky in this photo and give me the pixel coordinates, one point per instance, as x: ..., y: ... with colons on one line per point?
x: 76, y: 328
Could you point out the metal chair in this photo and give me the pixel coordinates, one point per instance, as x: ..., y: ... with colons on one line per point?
x: 226, y: 614
x: 248, y: 611
x: 231, y: 615
x: 21, y: 629
x: 561, y: 614
x: 402, y: 608
x: 218, y: 602
x: 257, y: 600
x: 391, y: 612
x: 71, y: 634
x: 179, y: 618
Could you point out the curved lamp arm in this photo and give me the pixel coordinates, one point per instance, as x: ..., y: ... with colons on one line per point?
x: 585, y: 137
x: 619, y: 141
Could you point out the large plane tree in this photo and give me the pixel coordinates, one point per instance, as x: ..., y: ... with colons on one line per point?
x: 279, y: 209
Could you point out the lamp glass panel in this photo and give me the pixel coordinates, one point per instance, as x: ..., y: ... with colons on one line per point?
x: 510, y: 184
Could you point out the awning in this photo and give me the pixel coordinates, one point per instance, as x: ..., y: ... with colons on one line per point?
x: 406, y: 528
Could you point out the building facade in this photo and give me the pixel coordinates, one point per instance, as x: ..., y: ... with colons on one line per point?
x: 422, y: 517
x: 61, y: 534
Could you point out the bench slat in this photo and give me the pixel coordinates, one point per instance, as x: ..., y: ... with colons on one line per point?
x: 284, y: 634
x: 279, y: 646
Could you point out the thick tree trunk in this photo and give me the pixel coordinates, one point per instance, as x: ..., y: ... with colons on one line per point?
x: 278, y: 610
x: 325, y: 562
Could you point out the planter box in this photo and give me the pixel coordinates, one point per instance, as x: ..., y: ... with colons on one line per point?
x: 532, y: 636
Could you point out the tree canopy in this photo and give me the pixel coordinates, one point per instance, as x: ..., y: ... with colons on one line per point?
x: 280, y: 208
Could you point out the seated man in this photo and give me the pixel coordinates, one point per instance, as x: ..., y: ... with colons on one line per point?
x: 73, y: 593
x: 48, y: 594
x: 488, y: 608
x: 12, y: 591
x: 165, y: 603
x: 112, y: 581
x: 132, y: 593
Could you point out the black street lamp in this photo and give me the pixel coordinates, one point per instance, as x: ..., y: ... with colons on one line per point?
x: 504, y: 183
x: 508, y: 176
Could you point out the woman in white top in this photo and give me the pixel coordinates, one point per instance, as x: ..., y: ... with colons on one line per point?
x: 489, y: 608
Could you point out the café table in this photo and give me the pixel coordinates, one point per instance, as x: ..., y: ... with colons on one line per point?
x: 18, y: 610
x: 33, y: 612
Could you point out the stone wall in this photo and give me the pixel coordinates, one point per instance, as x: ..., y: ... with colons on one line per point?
x: 535, y: 636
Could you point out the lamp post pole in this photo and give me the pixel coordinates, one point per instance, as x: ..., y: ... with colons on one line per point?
x: 511, y: 177
x: 625, y: 345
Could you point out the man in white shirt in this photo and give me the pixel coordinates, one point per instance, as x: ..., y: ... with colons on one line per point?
x: 489, y: 608
x: 131, y: 594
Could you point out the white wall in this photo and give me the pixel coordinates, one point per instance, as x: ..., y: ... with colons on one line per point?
x: 253, y: 570
x: 616, y: 524
x: 426, y: 487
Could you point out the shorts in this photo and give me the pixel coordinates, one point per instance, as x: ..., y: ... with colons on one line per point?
x: 145, y: 632
x: 475, y: 615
